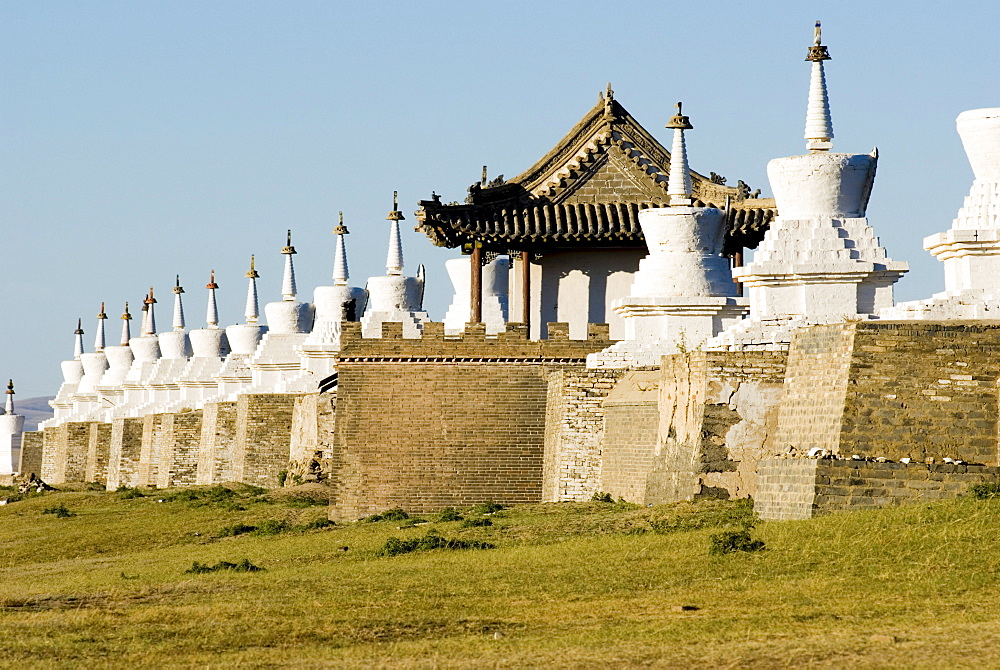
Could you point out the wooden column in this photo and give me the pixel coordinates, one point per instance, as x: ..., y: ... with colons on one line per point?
x: 526, y: 289
x: 738, y: 263
x: 476, y: 285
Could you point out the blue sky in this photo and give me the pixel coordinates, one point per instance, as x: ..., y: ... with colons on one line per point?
x: 139, y: 140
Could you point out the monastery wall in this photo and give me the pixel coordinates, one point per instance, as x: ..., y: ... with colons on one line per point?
x: 630, y: 436
x: 261, y: 446
x: 574, y: 426
x: 179, y: 449
x: 716, y: 412
x: 427, y: 423
x: 913, y: 389
x: 215, y: 449
x: 31, y: 453
x: 98, y: 448
x: 123, y: 454
x: 798, y: 488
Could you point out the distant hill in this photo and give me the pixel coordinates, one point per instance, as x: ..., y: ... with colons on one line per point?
x: 34, y: 410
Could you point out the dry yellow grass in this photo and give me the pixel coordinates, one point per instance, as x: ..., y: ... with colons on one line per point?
x: 569, y: 585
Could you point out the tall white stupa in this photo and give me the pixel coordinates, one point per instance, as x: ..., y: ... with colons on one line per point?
x: 243, y: 338
x: 820, y: 261
x: 209, y: 347
x: 394, y: 298
x: 334, y: 304
x: 11, y: 429
x: 970, y: 249
x: 683, y: 293
x: 146, y: 353
x: 289, y: 322
x: 120, y: 360
x: 72, y: 371
x: 95, y: 363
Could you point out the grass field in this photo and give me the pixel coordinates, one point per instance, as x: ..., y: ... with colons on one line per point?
x: 567, y: 585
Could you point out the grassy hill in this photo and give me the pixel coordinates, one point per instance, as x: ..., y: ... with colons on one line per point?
x: 109, y: 583
x: 34, y: 410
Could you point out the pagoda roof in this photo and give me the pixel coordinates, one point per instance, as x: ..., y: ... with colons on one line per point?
x: 586, y: 192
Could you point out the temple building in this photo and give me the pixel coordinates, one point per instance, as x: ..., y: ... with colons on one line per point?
x: 570, y: 222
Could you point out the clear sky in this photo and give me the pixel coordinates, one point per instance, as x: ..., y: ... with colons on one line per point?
x: 139, y: 140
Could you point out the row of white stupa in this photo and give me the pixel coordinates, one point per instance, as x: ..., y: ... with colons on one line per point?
x: 820, y: 262
x: 294, y: 353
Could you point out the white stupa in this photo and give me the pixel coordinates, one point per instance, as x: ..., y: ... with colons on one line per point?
x: 86, y: 399
x: 970, y: 250
x: 120, y: 360
x: 683, y: 292
x: 334, y: 304
x: 820, y: 261
x: 288, y: 325
x: 146, y: 352
x: 243, y: 338
x: 394, y: 298
x: 72, y: 371
x: 495, y: 307
x: 209, y: 347
x: 11, y: 429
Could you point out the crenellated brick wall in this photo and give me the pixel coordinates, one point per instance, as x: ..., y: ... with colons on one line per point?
x: 423, y: 424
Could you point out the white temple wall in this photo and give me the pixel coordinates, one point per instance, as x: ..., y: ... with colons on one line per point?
x: 577, y: 287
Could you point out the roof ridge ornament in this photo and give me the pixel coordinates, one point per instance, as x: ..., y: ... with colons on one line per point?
x: 609, y: 103
x: 819, y: 122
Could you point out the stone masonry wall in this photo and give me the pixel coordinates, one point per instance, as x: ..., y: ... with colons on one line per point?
x: 48, y: 454
x: 630, y: 436
x: 574, y: 425
x: 437, y: 421
x: 801, y: 488
x: 913, y: 389
x: 147, y: 469
x: 313, y: 421
x: 819, y: 366
x: 99, y: 443
x: 31, y: 453
x: 69, y: 445
x: 215, y: 449
x: 263, y: 437
x: 123, y: 454
x: 717, y: 413
x: 179, y: 449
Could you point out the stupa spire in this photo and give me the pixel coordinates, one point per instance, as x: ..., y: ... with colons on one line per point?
x: 394, y: 260
x: 340, y: 273
x: 679, y: 180
x: 126, y: 327
x: 819, y: 123
x: 78, y: 343
x: 149, y: 319
x: 252, y: 311
x: 288, y: 290
x: 212, y: 315
x: 99, y: 339
x: 9, y: 405
x: 178, y: 306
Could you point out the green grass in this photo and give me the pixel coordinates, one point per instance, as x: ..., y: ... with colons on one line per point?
x: 568, y: 585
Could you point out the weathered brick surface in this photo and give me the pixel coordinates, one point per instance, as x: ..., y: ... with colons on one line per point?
x: 423, y: 424
x: 574, y: 426
x: 313, y: 420
x: 631, y: 419
x: 716, y: 410
x: 801, y: 488
x: 215, y: 448
x: 147, y: 470
x: 181, y: 434
x: 98, y: 445
x: 123, y: 454
x: 31, y: 453
x: 65, y: 452
x: 262, y: 445
x: 913, y: 389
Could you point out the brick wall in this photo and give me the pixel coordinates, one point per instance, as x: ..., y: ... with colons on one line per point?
x: 262, y: 444
x: 215, y: 450
x: 65, y: 457
x: 147, y: 469
x: 123, y: 455
x: 49, y: 449
x: 801, y: 488
x: 912, y: 389
x: 98, y: 444
x: 428, y: 423
x: 31, y: 453
x: 179, y: 449
x: 630, y: 437
x: 574, y: 426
